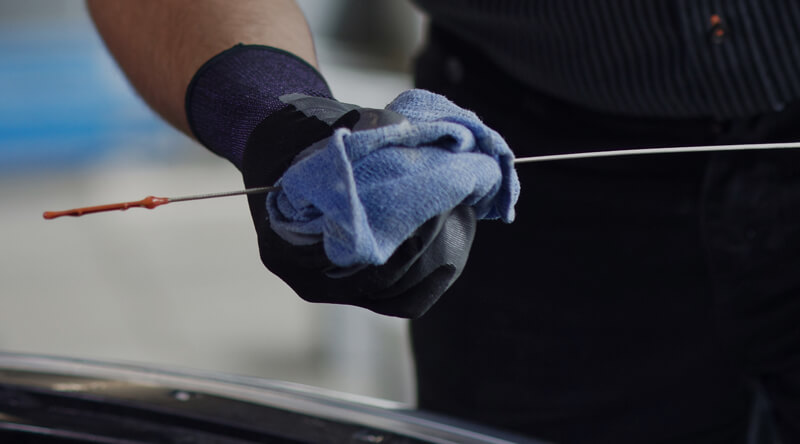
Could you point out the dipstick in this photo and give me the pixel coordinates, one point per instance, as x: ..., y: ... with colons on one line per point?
x: 150, y: 202
x: 668, y: 150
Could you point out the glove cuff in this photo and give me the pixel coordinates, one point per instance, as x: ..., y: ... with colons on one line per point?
x: 238, y: 88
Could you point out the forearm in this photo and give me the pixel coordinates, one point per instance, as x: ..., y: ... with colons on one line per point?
x: 160, y: 44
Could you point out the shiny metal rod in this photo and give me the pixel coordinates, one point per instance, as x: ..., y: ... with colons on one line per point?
x: 223, y: 194
x: 151, y: 202
x: 670, y: 150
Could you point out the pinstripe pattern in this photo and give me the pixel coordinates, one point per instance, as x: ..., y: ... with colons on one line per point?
x: 640, y: 57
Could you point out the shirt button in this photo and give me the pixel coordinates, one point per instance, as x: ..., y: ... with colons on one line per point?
x: 719, y: 29
x: 453, y: 70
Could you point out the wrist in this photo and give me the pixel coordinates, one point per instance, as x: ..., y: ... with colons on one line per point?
x: 240, y: 87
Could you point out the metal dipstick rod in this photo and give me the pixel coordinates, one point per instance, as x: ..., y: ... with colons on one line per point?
x: 670, y: 150
x: 151, y: 202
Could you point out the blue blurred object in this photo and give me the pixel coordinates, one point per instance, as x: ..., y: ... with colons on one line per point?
x: 63, y: 101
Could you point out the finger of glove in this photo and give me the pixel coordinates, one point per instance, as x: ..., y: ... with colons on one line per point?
x: 377, y: 279
x: 435, y: 270
x: 402, y: 288
x: 446, y: 251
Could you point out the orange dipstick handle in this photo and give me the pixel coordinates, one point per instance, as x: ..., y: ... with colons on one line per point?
x: 148, y: 202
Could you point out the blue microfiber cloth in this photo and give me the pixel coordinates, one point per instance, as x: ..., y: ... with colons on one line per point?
x: 366, y: 192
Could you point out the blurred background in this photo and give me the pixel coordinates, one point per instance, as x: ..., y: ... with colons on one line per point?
x: 183, y: 285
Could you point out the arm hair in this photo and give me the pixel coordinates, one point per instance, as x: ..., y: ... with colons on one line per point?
x: 160, y: 44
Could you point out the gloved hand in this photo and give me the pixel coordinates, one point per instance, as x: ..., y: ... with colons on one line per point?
x: 297, y: 125
x: 410, y: 281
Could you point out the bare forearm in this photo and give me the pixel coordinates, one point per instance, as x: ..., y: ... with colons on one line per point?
x: 160, y: 44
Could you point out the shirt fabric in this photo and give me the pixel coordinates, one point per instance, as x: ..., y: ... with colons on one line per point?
x: 634, y: 299
x: 656, y: 58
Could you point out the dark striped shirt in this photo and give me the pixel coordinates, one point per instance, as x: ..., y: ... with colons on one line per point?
x: 655, y: 58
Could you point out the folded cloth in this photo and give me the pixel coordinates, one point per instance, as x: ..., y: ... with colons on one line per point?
x: 363, y: 193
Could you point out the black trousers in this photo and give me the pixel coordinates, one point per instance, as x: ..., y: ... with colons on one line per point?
x: 634, y: 300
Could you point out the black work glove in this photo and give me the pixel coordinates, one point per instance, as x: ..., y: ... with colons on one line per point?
x: 261, y: 108
x: 414, y: 277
